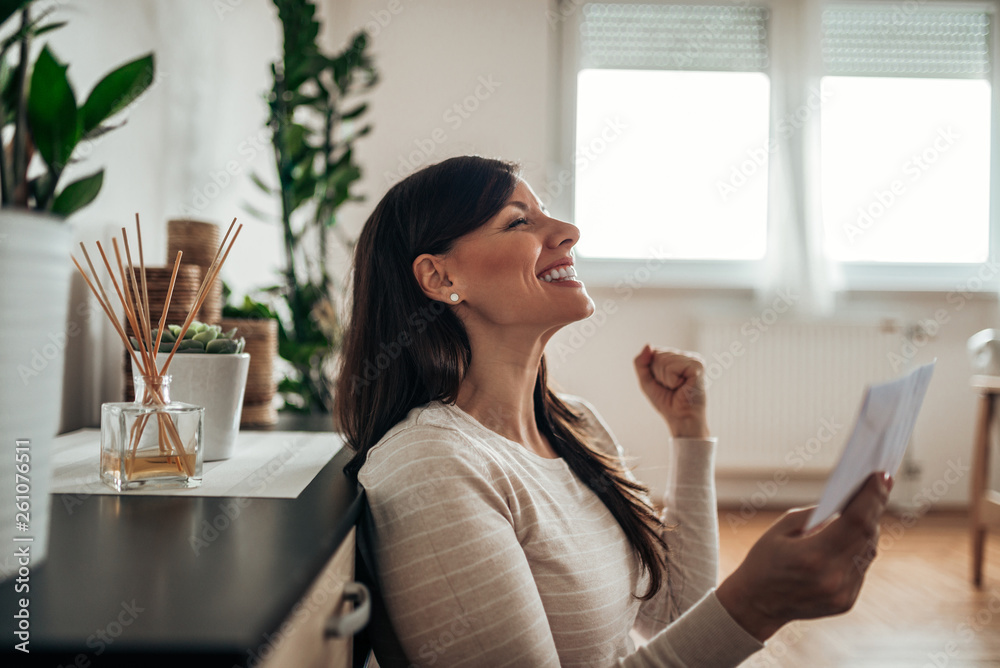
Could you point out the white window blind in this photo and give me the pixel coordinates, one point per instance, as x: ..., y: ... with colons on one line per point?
x: 891, y: 42
x: 674, y: 37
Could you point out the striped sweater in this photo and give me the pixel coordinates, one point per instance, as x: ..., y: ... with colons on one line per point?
x: 491, y: 555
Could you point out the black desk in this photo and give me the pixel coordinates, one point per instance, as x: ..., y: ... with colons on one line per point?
x: 123, y: 584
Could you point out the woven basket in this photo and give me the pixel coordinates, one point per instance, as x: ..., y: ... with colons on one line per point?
x: 200, y: 242
x: 261, y: 335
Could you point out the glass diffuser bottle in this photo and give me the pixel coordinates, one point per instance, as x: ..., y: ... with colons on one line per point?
x: 152, y: 442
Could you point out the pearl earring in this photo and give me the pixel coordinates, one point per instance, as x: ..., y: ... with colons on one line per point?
x: 454, y: 296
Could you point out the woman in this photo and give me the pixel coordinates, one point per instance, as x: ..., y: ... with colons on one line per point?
x: 507, y: 530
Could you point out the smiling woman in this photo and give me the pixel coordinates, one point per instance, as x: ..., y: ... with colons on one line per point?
x: 506, y: 528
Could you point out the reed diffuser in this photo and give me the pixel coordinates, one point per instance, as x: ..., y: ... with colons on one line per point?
x: 153, y: 441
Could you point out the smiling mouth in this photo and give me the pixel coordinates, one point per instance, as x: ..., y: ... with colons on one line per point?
x: 564, y: 273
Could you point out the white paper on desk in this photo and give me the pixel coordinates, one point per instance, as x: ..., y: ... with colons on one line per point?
x: 265, y: 464
x: 888, y: 412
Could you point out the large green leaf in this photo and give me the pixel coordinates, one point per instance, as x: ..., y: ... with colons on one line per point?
x: 52, y: 112
x: 78, y: 194
x: 117, y: 90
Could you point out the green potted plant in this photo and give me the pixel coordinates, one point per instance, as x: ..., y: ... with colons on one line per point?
x: 210, y: 370
x: 43, y: 126
x: 315, y: 120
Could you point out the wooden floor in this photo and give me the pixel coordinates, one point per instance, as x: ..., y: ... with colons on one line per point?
x: 918, y: 607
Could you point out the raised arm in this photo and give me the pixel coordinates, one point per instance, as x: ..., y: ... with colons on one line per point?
x: 672, y: 381
x: 787, y: 575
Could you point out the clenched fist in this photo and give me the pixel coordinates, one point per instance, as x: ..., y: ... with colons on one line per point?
x: 674, y: 382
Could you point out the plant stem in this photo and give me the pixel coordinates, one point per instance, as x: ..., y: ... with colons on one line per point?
x: 19, y: 184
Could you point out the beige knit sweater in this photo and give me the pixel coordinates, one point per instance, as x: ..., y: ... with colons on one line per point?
x: 491, y: 555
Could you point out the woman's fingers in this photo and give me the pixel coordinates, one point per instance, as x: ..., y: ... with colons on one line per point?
x: 672, y: 381
x: 858, y: 523
x: 790, y: 575
x: 641, y: 363
x: 672, y: 368
x: 792, y: 522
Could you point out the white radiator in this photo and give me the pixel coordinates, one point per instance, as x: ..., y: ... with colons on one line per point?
x: 784, y: 397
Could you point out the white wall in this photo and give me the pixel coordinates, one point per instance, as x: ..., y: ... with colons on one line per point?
x: 204, y: 115
x: 434, y: 54
x: 597, y: 363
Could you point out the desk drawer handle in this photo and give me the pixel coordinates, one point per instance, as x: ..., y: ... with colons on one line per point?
x: 345, y: 626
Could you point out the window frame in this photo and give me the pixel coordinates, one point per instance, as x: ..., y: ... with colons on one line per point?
x: 794, y: 54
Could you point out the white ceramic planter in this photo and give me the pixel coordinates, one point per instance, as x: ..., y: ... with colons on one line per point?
x: 34, y: 289
x: 216, y: 382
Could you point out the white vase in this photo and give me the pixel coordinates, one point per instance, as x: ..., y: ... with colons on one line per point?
x: 216, y: 382
x: 34, y: 287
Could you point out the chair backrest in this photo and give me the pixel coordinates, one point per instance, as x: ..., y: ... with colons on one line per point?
x: 378, y: 637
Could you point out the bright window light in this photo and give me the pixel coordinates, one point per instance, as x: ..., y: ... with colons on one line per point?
x: 672, y: 164
x: 905, y: 169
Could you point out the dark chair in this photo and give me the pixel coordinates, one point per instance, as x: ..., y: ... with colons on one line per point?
x: 377, y: 641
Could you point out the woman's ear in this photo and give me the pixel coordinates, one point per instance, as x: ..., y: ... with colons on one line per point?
x: 432, y: 277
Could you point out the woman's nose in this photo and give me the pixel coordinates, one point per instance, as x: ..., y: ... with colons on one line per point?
x: 563, y: 233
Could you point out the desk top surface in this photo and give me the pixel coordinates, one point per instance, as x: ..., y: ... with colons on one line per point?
x: 181, y: 574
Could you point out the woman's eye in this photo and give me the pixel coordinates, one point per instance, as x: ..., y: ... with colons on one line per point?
x: 519, y: 221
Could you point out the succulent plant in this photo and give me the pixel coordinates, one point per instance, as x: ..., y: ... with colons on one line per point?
x: 199, y: 338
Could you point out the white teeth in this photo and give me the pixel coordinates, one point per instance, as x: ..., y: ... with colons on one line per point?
x: 560, y: 274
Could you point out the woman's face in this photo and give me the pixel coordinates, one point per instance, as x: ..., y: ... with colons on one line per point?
x: 513, y: 270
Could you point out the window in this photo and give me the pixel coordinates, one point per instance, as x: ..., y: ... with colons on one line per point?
x: 681, y: 109
x: 683, y: 173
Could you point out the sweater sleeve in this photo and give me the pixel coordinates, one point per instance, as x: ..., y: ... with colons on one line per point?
x: 692, y: 533
x: 687, y: 624
x: 704, y: 634
x: 459, y: 588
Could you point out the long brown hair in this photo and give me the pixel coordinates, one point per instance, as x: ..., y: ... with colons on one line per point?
x: 403, y: 349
